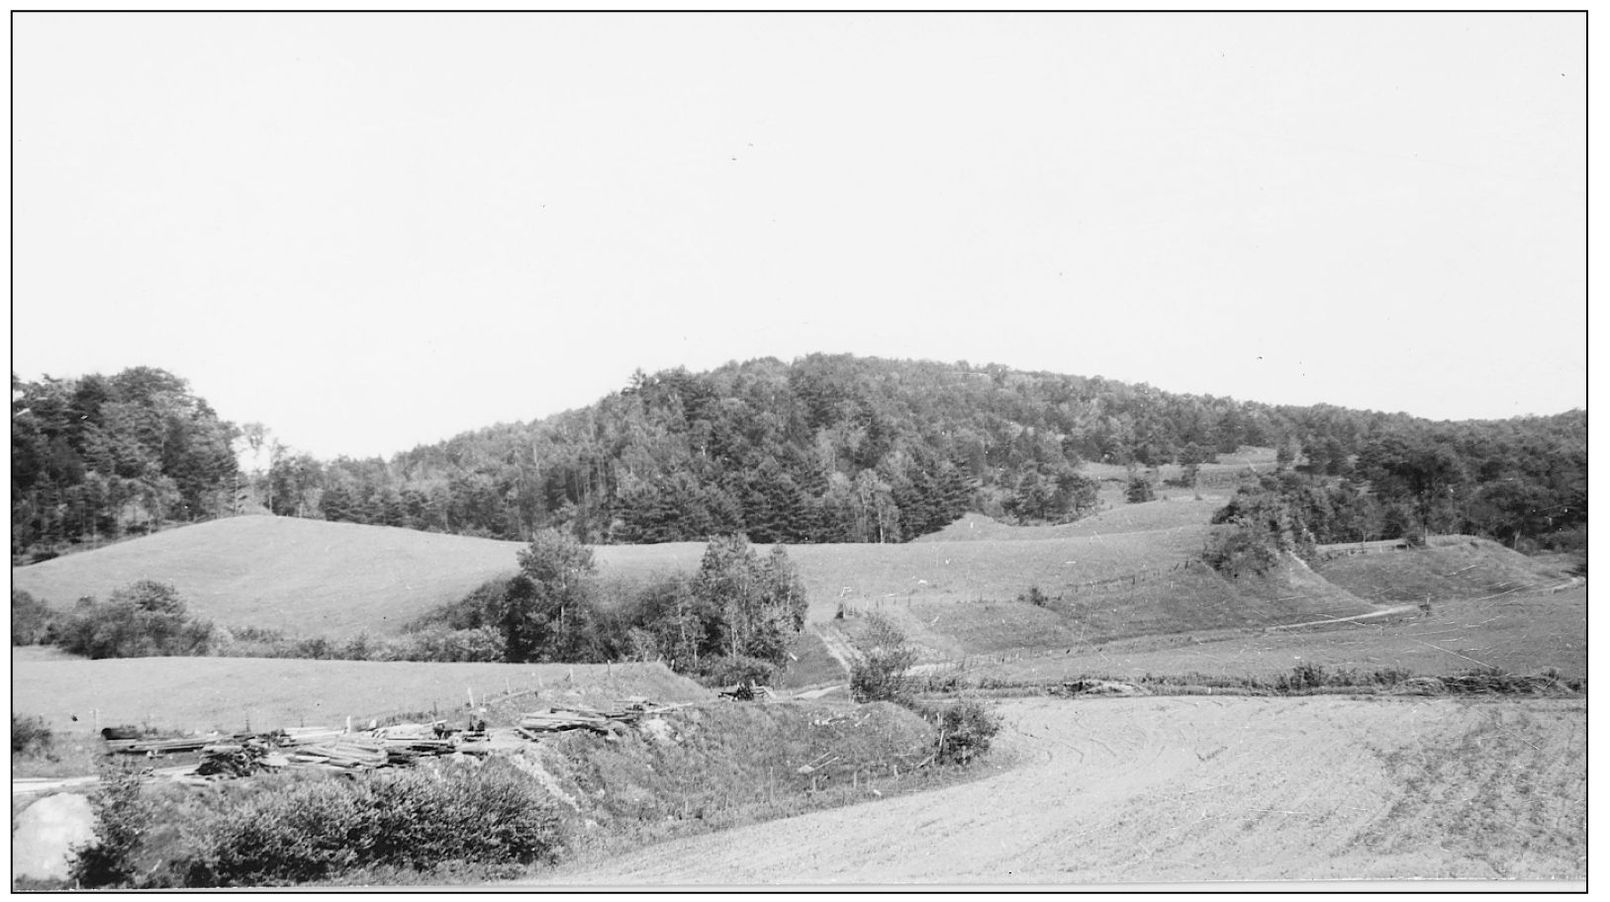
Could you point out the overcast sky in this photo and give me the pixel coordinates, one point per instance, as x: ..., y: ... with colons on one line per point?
x: 374, y: 231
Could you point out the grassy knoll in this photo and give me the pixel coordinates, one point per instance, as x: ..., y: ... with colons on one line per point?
x: 305, y: 577
x: 1449, y: 567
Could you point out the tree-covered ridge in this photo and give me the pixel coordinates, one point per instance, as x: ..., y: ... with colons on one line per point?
x: 106, y: 456
x: 836, y: 448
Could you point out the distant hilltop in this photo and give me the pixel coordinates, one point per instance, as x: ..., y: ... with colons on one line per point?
x: 828, y: 448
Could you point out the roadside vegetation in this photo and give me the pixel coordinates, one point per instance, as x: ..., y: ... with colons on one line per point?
x: 1302, y: 679
x: 296, y: 829
x: 964, y: 728
x: 576, y: 795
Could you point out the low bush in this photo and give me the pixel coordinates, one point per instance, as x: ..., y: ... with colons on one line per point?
x: 880, y: 674
x: 30, y: 736
x: 966, y: 729
x: 122, y: 818
x: 143, y: 619
x: 1035, y: 597
x: 730, y: 670
x: 32, y: 621
x: 437, y: 643
x: 294, y: 829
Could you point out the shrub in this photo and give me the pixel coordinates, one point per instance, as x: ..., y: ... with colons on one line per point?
x: 293, y: 829
x: 1035, y: 597
x: 32, y: 621
x: 480, y: 644
x: 142, y: 619
x: 30, y: 736
x: 122, y: 817
x: 465, y: 812
x: 1303, y: 677
x: 965, y: 731
x: 1238, y: 549
x: 880, y: 674
x: 728, y: 670
x: 1140, y: 490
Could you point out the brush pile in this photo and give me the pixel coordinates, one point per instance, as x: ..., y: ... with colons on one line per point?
x: 748, y: 692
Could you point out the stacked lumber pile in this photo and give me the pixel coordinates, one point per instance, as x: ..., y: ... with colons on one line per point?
x: 406, y: 743
x: 343, y: 754
x: 242, y: 759
x: 155, y: 746
x: 581, y: 717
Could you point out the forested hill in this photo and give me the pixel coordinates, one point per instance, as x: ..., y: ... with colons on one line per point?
x: 849, y: 449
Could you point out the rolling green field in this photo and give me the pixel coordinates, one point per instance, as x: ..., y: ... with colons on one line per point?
x: 313, y: 578
x: 1121, y: 577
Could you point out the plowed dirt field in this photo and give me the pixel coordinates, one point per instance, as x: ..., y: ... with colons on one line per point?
x: 1153, y: 790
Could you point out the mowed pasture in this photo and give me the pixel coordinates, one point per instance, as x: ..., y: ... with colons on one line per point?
x: 267, y: 693
x: 304, y: 577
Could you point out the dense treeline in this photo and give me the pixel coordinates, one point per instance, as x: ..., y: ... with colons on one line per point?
x: 108, y: 456
x: 1526, y: 483
x: 829, y: 448
x: 825, y: 449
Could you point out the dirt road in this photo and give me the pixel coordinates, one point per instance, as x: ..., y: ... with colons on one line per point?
x: 1196, y: 789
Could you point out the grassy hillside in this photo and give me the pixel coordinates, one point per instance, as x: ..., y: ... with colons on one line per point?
x: 306, y: 577
x: 314, y: 578
x: 1450, y: 567
x: 226, y: 693
x: 1121, y: 574
x: 1520, y: 633
x: 1176, y: 600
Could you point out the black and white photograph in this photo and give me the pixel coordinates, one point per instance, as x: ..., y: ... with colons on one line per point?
x: 844, y: 451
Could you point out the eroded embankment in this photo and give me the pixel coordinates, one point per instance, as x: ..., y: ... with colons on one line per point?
x: 1195, y: 789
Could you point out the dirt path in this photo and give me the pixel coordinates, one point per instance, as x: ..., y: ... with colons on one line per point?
x: 837, y: 646
x: 1394, y: 611
x: 1195, y: 789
